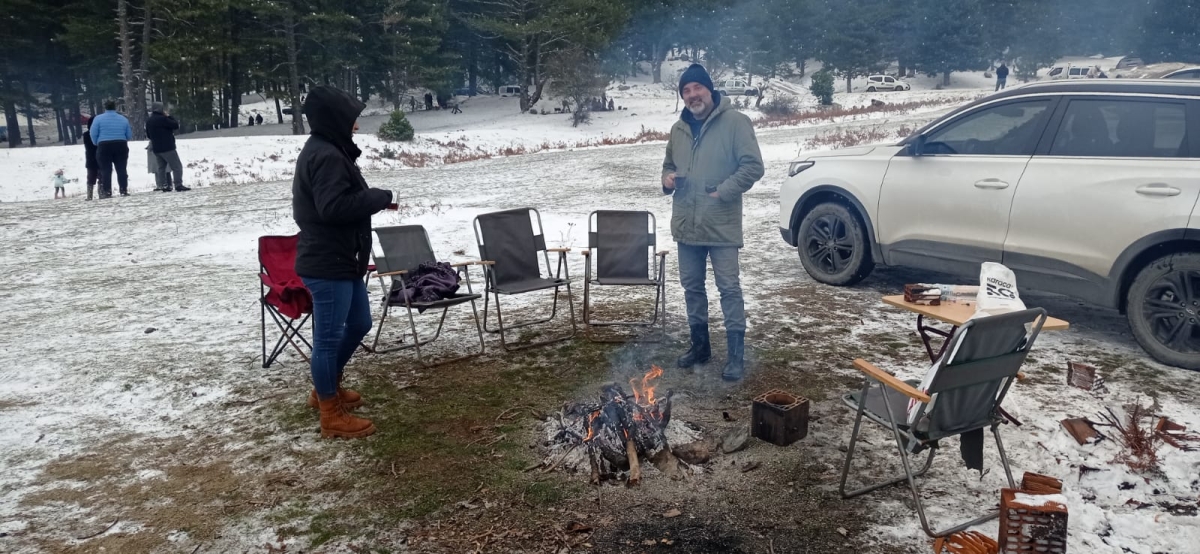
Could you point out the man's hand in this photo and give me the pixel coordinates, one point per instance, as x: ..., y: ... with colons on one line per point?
x: 714, y: 194
x: 668, y: 181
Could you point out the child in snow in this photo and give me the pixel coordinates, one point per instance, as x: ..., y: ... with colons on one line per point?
x: 60, y: 185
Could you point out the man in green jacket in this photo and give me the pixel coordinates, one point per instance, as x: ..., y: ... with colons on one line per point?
x: 712, y: 159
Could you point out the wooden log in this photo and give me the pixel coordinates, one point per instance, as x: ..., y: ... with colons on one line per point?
x: 635, y: 471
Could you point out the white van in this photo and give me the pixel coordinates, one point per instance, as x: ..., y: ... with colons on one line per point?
x: 1069, y: 71
x: 510, y: 90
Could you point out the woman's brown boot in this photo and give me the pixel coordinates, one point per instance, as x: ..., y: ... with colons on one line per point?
x: 337, y: 422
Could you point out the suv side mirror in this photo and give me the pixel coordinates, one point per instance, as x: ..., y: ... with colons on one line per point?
x: 917, y: 146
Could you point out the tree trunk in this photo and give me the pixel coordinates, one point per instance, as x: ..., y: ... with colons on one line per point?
x: 473, y: 68
x: 126, y: 55
x: 13, y: 121
x: 802, y: 67
x: 849, y: 78
x: 657, y: 55
x: 235, y: 70
x: 278, y: 110
x: 946, y: 79
x: 137, y: 118
x: 289, y: 23
x: 30, y: 109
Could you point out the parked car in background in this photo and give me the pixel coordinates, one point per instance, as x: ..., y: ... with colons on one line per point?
x: 510, y: 90
x: 3, y: 134
x: 1191, y: 73
x: 1083, y: 188
x: 736, y: 87
x: 1129, y: 62
x: 886, y: 82
x: 1071, y: 71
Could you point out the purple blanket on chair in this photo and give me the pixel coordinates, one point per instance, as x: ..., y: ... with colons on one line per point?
x: 432, y: 281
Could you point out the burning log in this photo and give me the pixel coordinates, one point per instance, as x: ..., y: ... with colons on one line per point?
x: 623, y: 429
x: 635, y: 471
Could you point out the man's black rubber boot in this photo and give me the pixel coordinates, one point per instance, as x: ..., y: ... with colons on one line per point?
x: 735, y: 368
x: 700, y: 352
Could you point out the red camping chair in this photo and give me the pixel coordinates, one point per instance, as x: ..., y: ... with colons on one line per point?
x: 283, y: 295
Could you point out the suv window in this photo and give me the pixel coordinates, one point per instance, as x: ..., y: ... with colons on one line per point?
x: 1006, y: 130
x: 1056, y: 71
x: 889, y: 80
x: 1195, y: 74
x: 1122, y: 129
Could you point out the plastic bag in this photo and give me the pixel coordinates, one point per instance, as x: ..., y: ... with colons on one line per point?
x: 997, y: 291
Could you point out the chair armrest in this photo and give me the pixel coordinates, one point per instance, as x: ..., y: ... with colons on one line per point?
x: 561, y: 250
x: 891, y: 381
x: 486, y: 262
x: 586, y: 252
x: 464, y: 264
x: 390, y: 273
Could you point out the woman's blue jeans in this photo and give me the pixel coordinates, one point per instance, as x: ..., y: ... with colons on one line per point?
x: 341, y: 318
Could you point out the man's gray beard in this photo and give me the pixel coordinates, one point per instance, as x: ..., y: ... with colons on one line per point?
x: 698, y: 114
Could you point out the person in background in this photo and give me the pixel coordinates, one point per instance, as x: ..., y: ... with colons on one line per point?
x: 111, y: 133
x: 89, y: 154
x: 712, y: 159
x: 251, y: 121
x: 160, y: 129
x: 60, y: 185
x: 1001, y: 76
x: 332, y: 204
x: 258, y: 119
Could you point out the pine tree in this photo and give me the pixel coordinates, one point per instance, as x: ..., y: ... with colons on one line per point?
x: 950, y: 38
x: 1172, y: 32
x: 851, y: 42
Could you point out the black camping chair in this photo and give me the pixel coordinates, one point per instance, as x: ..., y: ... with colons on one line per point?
x: 964, y: 396
x: 623, y: 246
x: 405, y: 248
x: 510, y: 251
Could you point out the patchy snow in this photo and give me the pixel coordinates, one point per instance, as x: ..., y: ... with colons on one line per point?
x: 87, y: 280
x: 1039, y: 500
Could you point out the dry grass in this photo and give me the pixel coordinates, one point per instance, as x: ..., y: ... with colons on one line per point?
x: 1136, y: 436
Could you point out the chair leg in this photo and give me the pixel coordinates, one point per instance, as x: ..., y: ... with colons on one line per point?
x: 379, y: 328
x: 1003, y: 457
x: 262, y: 314
x: 850, y: 456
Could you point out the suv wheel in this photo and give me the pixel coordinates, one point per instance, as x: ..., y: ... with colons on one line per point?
x: 871, y: 89
x: 1163, y: 307
x: 899, y: 89
x: 833, y: 246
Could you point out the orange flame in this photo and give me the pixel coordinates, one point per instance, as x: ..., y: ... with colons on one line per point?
x: 590, y: 431
x: 643, y: 393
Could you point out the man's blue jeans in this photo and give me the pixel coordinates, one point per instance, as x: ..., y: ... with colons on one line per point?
x: 341, y: 318
x: 693, y: 262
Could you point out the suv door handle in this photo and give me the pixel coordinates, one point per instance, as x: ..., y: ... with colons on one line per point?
x: 1158, y: 189
x: 991, y: 184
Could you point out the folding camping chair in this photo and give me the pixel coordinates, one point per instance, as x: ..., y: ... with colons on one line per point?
x: 405, y: 248
x: 283, y: 295
x: 618, y: 242
x: 964, y: 396
x: 510, y: 251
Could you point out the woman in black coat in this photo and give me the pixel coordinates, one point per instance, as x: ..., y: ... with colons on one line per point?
x: 333, y: 205
x: 89, y: 153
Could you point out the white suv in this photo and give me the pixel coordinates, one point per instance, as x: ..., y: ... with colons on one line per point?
x: 886, y: 82
x: 1085, y: 188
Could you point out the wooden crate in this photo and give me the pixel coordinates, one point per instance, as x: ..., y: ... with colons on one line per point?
x: 1031, y: 527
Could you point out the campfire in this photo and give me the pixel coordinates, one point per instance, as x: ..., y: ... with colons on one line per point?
x: 620, y: 431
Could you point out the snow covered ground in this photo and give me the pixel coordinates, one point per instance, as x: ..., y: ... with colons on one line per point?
x: 132, y: 322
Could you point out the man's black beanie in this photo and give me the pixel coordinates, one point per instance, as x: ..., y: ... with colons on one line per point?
x: 695, y: 74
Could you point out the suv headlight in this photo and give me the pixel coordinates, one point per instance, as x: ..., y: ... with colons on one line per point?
x: 797, y: 167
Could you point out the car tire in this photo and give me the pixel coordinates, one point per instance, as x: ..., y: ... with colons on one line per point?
x: 899, y: 89
x: 870, y: 89
x: 1163, y: 309
x: 834, y: 246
